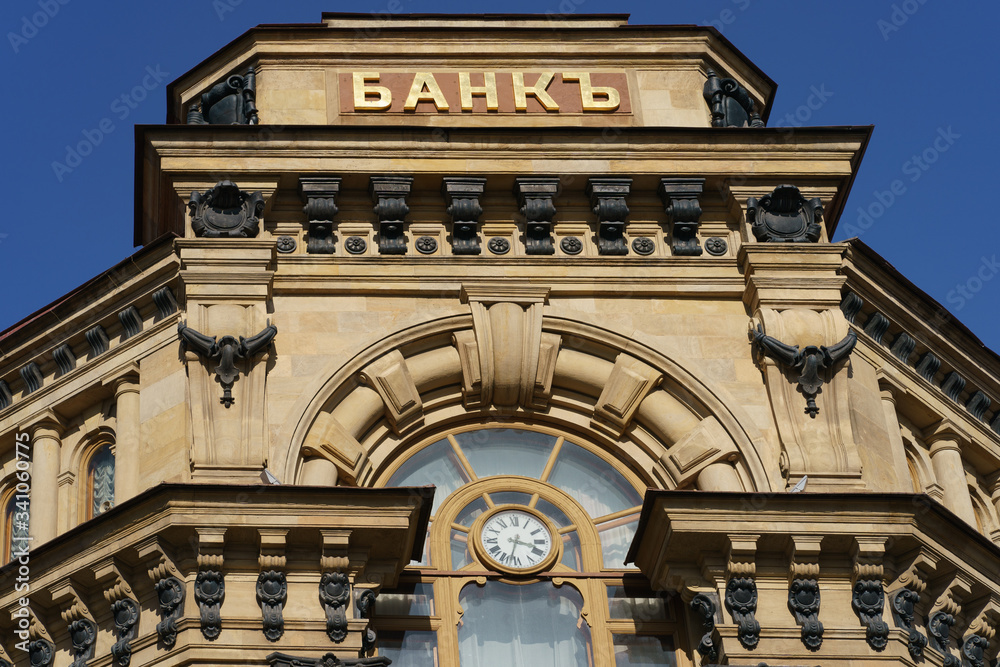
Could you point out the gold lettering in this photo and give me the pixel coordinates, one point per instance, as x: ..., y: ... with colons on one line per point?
x: 468, y: 90
x: 417, y: 94
x: 362, y: 90
x: 588, y: 94
x: 521, y: 92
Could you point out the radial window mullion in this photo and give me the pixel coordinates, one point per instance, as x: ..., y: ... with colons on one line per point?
x: 462, y: 458
x: 551, y: 463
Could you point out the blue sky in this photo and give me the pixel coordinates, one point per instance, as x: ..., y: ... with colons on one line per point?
x: 921, y: 71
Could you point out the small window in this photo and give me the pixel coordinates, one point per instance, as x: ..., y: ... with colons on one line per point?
x: 15, y: 526
x: 101, y: 481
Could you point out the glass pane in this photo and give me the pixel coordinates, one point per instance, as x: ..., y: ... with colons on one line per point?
x: 632, y: 650
x: 553, y: 512
x: 409, y: 648
x: 434, y: 465
x: 460, y: 556
x: 102, y: 480
x: 510, y: 498
x: 616, y: 537
x: 595, y: 484
x: 572, y: 556
x: 506, y: 451
x: 16, y: 514
x: 413, y: 599
x: 636, y: 603
x: 471, y: 511
x: 523, y: 626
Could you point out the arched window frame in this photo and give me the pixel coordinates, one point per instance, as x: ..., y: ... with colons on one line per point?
x: 431, y: 593
x: 103, y: 442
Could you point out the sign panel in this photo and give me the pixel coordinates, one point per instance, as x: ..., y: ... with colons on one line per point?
x: 576, y: 91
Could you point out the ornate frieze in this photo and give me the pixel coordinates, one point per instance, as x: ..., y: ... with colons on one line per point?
x: 226, y: 352
x: 608, y: 201
x: 272, y: 593
x: 786, y: 216
x: 319, y: 196
x: 462, y: 194
x: 225, y: 211
x: 730, y: 103
x: 809, y: 361
x: 680, y: 201
x: 170, y: 591
x: 389, y: 194
x: 229, y: 102
x: 535, y: 199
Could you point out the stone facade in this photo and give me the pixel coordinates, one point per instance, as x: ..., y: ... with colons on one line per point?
x: 529, y: 223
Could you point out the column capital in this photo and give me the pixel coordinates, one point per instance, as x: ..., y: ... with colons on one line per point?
x: 123, y: 380
x: 45, y: 423
x: 944, y: 434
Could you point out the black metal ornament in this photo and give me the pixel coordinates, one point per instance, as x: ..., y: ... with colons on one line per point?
x: 868, y: 601
x: 785, y: 216
x: 803, y: 601
x: 225, y: 211
x: 741, y: 601
x: 808, y: 361
x: 209, y: 592
x: 170, y: 591
x: 704, y: 606
x: 334, y: 594
x: 83, y: 633
x: 272, y: 593
x: 126, y: 615
x: 226, y: 351
x: 903, y: 603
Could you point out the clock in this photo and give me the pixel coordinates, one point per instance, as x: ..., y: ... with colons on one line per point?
x: 515, y: 540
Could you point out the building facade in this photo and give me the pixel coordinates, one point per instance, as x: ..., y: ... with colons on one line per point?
x: 521, y: 343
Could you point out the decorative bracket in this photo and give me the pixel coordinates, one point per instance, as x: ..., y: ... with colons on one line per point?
x: 741, y: 589
x: 74, y: 612
x: 809, y: 362
x: 272, y: 586
x: 939, y: 625
x: 335, y: 583
x: 229, y: 102
x: 319, y: 194
x: 680, y: 199
x: 607, y: 199
x: 364, y: 602
x: 534, y: 197
x: 868, y: 598
x: 210, y: 584
x: 904, y: 603
x: 226, y: 352
x: 169, y: 589
x: 803, y: 589
x: 389, y: 194
x: 225, y: 211
x: 705, y: 607
x: 126, y: 614
x: 730, y: 103
x: 41, y: 652
x: 463, y: 195
x: 785, y: 216
x: 328, y: 660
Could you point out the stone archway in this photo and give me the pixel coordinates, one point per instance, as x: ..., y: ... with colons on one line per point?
x: 508, y: 360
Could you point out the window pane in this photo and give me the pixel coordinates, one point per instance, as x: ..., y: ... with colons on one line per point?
x: 15, y: 538
x: 468, y: 515
x: 460, y: 556
x: 616, y: 536
x: 102, y: 481
x: 434, y: 465
x: 409, y: 648
x: 510, y: 498
x: 636, y: 603
x: 413, y: 599
x: 523, y: 626
x: 506, y: 451
x: 632, y: 650
x: 595, y: 484
x: 554, y: 513
x: 572, y: 556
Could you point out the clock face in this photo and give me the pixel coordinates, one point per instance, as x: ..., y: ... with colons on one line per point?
x: 516, y: 540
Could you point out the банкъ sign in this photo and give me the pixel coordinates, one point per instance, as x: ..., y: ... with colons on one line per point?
x: 571, y: 91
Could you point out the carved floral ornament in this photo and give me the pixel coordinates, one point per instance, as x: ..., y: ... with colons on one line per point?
x: 225, y: 211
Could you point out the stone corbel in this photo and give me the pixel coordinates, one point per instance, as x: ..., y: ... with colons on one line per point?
x: 169, y: 586
x: 868, y: 598
x: 319, y: 196
x: 803, y: 588
x: 210, y: 584
x: 535, y: 201
x: 514, y: 362
x: 975, y: 646
x: 390, y: 377
x: 946, y: 613
x: 389, y: 194
x: 364, y: 601
x: 76, y: 615
x: 741, y: 588
x: 608, y: 201
x: 124, y: 609
x: 705, y: 605
x: 462, y: 194
x: 272, y: 586
x: 335, y: 582
x: 680, y: 199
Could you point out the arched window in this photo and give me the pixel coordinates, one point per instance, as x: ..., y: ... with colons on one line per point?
x: 15, y: 525
x: 524, y: 563
x: 101, y: 481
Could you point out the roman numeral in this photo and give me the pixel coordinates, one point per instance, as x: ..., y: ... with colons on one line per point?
x: 491, y: 540
x: 540, y: 540
x: 513, y: 520
x: 502, y: 524
x: 495, y: 550
x: 516, y: 561
x: 535, y: 532
x: 538, y: 551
